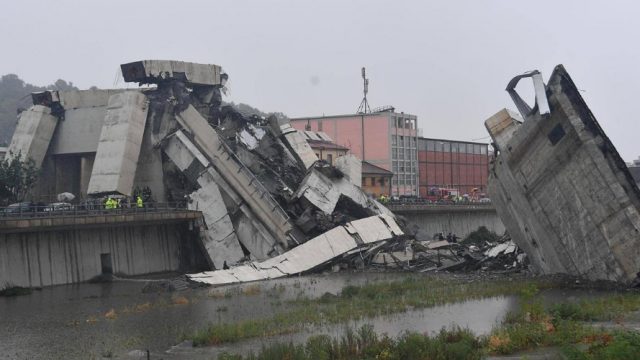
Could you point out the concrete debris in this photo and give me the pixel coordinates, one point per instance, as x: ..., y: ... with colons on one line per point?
x: 351, y: 167
x: 65, y: 197
x: 324, y: 249
x: 298, y: 145
x: 561, y: 188
x: 33, y: 134
x: 119, y: 145
x: 269, y: 207
x: 219, y: 238
x: 155, y: 71
x: 442, y: 255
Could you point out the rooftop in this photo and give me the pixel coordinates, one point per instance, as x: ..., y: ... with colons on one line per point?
x: 369, y: 168
x: 354, y: 115
x: 322, y: 144
x: 452, y: 141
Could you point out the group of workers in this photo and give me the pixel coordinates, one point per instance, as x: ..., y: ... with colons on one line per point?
x: 452, y: 238
x: 113, y: 203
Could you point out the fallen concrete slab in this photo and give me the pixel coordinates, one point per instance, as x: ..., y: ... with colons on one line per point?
x: 220, y: 240
x: 561, y: 188
x: 315, y: 252
x: 154, y: 71
x: 118, y: 150
x: 351, y: 167
x: 237, y: 175
x: 33, y: 134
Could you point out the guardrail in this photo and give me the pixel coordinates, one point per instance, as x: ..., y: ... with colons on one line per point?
x: 87, y: 209
x: 443, y: 203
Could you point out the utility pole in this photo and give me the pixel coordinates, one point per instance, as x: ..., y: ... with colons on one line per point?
x: 364, y: 107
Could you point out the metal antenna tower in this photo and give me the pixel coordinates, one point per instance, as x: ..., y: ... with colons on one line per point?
x: 364, y: 105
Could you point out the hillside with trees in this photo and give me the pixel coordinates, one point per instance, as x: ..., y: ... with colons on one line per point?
x: 14, y: 97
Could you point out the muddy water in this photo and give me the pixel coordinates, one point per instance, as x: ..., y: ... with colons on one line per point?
x: 96, y: 321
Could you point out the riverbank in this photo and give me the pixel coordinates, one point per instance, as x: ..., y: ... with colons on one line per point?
x: 124, y: 318
x: 587, y: 329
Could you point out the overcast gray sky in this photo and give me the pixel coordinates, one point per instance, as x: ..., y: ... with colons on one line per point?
x: 447, y: 62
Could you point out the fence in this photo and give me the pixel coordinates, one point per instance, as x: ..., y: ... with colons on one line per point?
x: 28, y: 210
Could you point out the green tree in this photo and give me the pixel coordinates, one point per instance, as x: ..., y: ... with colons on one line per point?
x: 17, y: 177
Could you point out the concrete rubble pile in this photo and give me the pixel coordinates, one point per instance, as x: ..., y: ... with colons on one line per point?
x: 266, y: 199
x: 501, y: 255
x: 561, y: 188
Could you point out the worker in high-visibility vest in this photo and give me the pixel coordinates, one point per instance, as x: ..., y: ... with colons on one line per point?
x: 139, y: 202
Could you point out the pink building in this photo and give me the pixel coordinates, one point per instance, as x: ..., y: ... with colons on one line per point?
x: 386, y: 139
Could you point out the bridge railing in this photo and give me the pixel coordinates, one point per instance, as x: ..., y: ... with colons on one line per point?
x: 26, y: 210
x: 438, y: 203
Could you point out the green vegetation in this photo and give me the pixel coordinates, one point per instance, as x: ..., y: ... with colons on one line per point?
x: 366, y: 344
x: 562, y: 326
x: 614, y: 346
x: 565, y: 325
x: 358, y: 302
x: 16, y: 178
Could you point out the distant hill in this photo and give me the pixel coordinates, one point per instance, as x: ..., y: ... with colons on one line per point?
x: 14, y: 95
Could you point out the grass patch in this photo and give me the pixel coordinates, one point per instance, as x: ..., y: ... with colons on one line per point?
x: 252, y: 290
x: 606, y: 308
x: 562, y: 326
x: 358, y: 302
x: 616, y: 345
x: 364, y: 343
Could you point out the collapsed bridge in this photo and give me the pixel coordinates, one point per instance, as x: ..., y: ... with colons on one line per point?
x: 259, y: 186
x: 560, y: 187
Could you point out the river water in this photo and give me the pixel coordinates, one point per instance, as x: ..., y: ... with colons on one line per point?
x: 107, y: 320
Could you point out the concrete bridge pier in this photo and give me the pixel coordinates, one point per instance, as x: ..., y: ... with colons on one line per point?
x: 457, y: 219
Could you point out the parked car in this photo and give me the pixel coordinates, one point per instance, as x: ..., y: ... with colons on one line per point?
x: 485, y: 200
x: 58, y: 206
x: 19, y: 208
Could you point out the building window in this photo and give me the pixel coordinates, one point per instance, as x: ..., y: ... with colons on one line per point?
x: 431, y: 145
x: 394, y: 153
x: 330, y: 159
x: 394, y: 140
x: 454, y: 147
x: 483, y: 149
x: 373, y: 181
x: 382, y: 181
